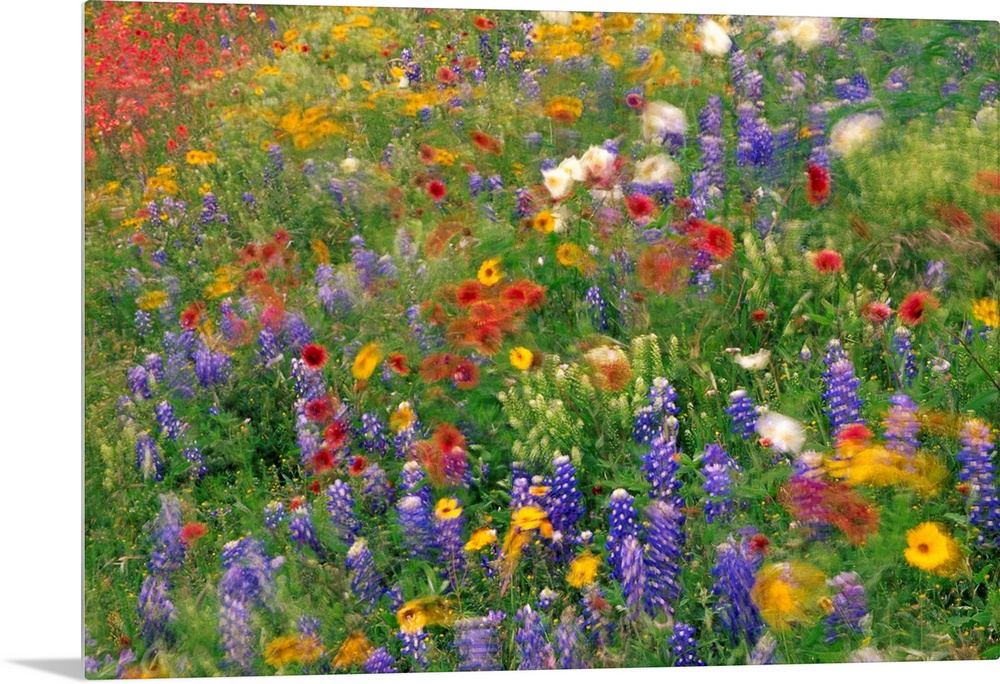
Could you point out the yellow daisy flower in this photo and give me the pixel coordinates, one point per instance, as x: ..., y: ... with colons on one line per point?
x: 987, y: 312
x: 521, y: 358
x: 583, y: 570
x: 447, y: 509
x: 490, y: 273
x: 366, y: 361
x: 481, y: 538
x: 931, y: 548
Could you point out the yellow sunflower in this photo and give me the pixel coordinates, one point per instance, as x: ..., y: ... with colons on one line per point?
x: 931, y: 548
x: 583, y: 570
x: 987, y: 312
x: 521, y: 358
x: 490, y: 273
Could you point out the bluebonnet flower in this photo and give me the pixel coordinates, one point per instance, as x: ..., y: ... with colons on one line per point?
x: 477, y: 643
x: 664, y: 542
x: 155, y: 609
x: 633, y: 575
x: 170, y: 426
x: 622, y: 524
x: 274, y: 515
x: 755, y: 143
x: 595, y: 621
x: 380, y: 661
x: 426, y: 338
x: 683, y: 646
x: 415, y: 519
x: 598, y: 309
x: 303, y: 530
x: 902, y: 425
x: 247, y: 582
x: 147, y: 458
x: 743, y: 413
x: 764, y: 651
x: 210, y: 367
x: 546, y: 597
x: 340, y: 506
x: 373, y: 435
x: 841, y: 393
x: 366, y: 582
x: 412, y: 481
x: 475, y: 184
x: 535, y: 651
x: 710, y: 141
x: 415, y: 647
x: 197, y: 469
x: 849, y: 605
x: 735, y: 567
x: 659, y: 465
x: 448, y: 523
x: 717, y: 467
x: 308, y: 382
x: 376, y: 492
x: 564, y: 503
x: 568, y: 649
x: 143, y: 323
x: 978, y: 473
x: 138, y: 382
x: 905, y: 361
x: 854, y: 89
x: 333, y: 291
x: 125, y: 658
x: 275, y: 164
x: 649, y: 418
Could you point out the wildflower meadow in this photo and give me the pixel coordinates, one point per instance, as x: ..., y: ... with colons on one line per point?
x: 459, y: 340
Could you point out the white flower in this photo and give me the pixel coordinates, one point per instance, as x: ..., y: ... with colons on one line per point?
x: 598, y: 163
x: 349, y: 165
x: 782, y: 433
x: 756, y: 361
x: 714, y: 39
x: 573, y: 167
x: 615, y: 194
x: 558, y: 182
x: 656, y: 170
x: 561, y: 18
x: 853, y: 132
x: 661, y: 119
x: 805, y: 32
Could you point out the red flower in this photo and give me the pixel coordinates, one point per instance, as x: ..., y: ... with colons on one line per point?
x: 437, y: 190
x: 295, y: 503
x: 192, y: 532
x: 466, y: 375
x: 856, y: 432
x: 282, y: 237
x: 314, y: 355
x: 661, y: 268
x: 335, y: 434
x: 445, y: 75
x: 877, y: 312
x: 181, y: 133
x: 523, y: 293
x: 319, y: 410
x: 955, y: 218
x: 469, y: 292
x: 640, y: 207
x: 448, y: 437
x: 428, y: 155
x: 635, y: 101
x: 483, y: 24
x: 759, y: 544
x: 759, y: 315
x: 191, y: 316
x: 987, y: 182
x: 437, y: 366
x: 718, y: 242
x: 818, y: 186
x: 915, y: 305
x: 828, y: 261
x: 486, y: 142
x: 323, y: 460
x: 358, y: 466
x: 256, y: 276
x: 397, y: 363
x: 992, y: 221
x: 314, y: 487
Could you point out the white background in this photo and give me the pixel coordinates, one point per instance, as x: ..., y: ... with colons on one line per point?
x: 40, y: 333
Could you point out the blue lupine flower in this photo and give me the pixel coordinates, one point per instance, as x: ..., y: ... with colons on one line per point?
x: 649, y: 418
x: 743, y: 413
x: 564, y: 503
x: 448, y: 533
x: 302, y: 529
x: 683, y: 646
x: 622, y: 525
x: 147, y: 458
x: 366, y: 581
x: 904, y: 361
x: 902, y: 425
x: 568, y: 649
x: 415, y: 519
x: 210, y: 367
x: 841, y: 393
x: 598, y: 309
x: 340, y: 506
x: 755, y: 143
x: 274, y: 515
x: 170, y: 426
x: 380, y: 661
x: 415, y: 647
x: 535, y: 651
x: 477, y: 643
x: 143, y: 323
x: 717, y: 467
x: 850, y: 605
x: 196, y: 469
x: 979, y: 472
x: 734, y: 571
x: 659, y: 465
x: 138, y: 382
x: 633, y: 575
x: 247, y: 582
x: 155, y: 609
x: 664, y: 542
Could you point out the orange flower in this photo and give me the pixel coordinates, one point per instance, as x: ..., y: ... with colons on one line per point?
x: 662, y: 268
x: 564, y: 109
x: 483, y: 24
x: 486, y: 142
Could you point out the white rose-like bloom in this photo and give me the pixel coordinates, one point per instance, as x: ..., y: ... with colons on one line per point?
x: 784, y: 434
x: 714, y: 39
x: 656, y: 169
x: 661, y: 119
x: 561, y: 18
x: 853, y: 132
x: 349, y: 165
x: 615, y: 194
x: 598, y: 163
x: 574, y: 168
x: 558, y: 182
x: 805, y: 32
x: 756, y: 361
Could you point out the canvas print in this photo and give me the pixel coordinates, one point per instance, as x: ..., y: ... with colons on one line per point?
x: 460, y: 340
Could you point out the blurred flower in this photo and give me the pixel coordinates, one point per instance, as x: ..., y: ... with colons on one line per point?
x: 481, y: 538
x: 931, y: 548
x: 662, y: 121
x: 564, y: 109
x: 781, y: 433
x: 806, y: 32
x: 827, y: 261
x: 757, y: 361
x: 489, y: 272
x: 987, y: 312
x: 583, y: 570
x: 788, y: 593
x: 521, y: 358
x: 296, y: 648
x: 854, y: 132
x: 714, y: 39
x: 915, y: 306
x: 366, y: 361
x: 353, y: 652
x: 612, y: 371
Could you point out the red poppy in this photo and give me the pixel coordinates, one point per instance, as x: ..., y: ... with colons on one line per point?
x: 818, y: 185
x: 319, y: 410
x: 828, y: 261
x: 191, y: 316
x: 483, y: 24
x: 640, y: 207
x: 314, y: 355
x: 335, y: 434
x: 323, y: 460
x: 397, y: 363
x: 877, y: 312
x: 447, y: 437
x: 915, y: 305
x: 468, y: 292
x: 358, y: 466
x: 437, y: 190
x: 192, y: 532
x: 486, y: 142
x: 445, y: 75
x: 466, y: 375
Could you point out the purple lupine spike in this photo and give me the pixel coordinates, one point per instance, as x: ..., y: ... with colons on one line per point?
x: 717, y: 467
x: 843, y: 405
x: 755, y: 143
x: 448, y: 535
x: 340, y: 506
x: 904, y: 360
x: 664, y: 541
x: 366, y: 582
x: 247, y: 582
x: 534, y: 649
x: 683, y: 646
x: 622, y: 525
x: 901, y: 426
x: 743, y: 413
x: 660, y: 404
x: 849, y: 605
x: 156, y: 611
x: 302, y: 529
x: 633, y: 575
x: 170, y: 426
x: 274, y: 515
x: 735, y: 568
x: 568, y: 647
x: 415, y: 519
x: 598, y: 307
x: 659, y: 465
x: 143, y: 322
x: 167, y: 556
x: 380, y: 661
x: 415, y: 647
x: 978, y: 472
x: 477, y: 643
x: 147, y: 458
x: 138, y: 382
x: 376, y: 493
x: 564, y: 503
x: 197, y: 469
